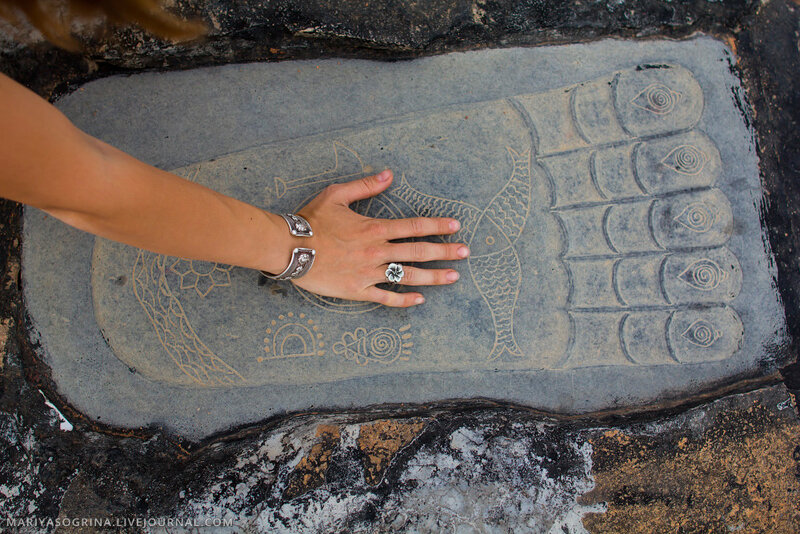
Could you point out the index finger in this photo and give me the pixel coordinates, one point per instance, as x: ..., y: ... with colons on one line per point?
x: 420, y: 227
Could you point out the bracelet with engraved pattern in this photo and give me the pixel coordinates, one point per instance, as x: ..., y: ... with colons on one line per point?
x: 298, y: 226
x: 301, y: 262
x: 302, y: 258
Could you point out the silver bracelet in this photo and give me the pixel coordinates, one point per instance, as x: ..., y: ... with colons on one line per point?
x: 298, y: 226
x: 302, y: 258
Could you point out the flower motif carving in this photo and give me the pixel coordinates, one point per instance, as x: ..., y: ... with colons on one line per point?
x: 202, y: 276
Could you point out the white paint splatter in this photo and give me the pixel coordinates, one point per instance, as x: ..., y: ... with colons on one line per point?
x: 64, y: 425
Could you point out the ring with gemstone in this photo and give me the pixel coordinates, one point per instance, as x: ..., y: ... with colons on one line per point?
x: 394, y: 273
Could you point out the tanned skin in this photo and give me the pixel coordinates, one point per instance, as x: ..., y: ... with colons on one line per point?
x: 48, y: 163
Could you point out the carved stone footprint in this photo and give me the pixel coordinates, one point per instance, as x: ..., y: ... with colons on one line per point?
x: 598, y: 238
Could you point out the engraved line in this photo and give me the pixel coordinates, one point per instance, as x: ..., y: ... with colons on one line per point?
x: 635, y: 167
x: 497, y: 326
x: 630, y: 200
x: 593, y: 175
x: 323, y: 180
x: 389, y: 200
x: 473, y: 210
x: 355, y: 307
x: 614, y: 101
x: 552, y: 183
x: 321, y: 177
x: 573, y: 114
x: 637, y: 254
x: 564, y: 235
x: 485, y: 212
x: 336, y: 146
x: 502, y: 313
x: 517, y: 105
x: 570, y: 283
x: 617, y: 144
x: 369, y: 204
x: 604, y: 228
x: 651, y: 226
x: 662, y: 279
x: 670, y: 348
x: 615, y: 282
x: 622, y: 344
x: 175, y: 312
x: 647, y: 307
x: 570, y: 344
x: 526, y: 183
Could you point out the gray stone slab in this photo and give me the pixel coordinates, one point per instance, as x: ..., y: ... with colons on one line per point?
x: 609, y: 193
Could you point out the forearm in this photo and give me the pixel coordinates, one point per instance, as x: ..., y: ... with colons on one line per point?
x: 97, y: 188
x: 140, y: 205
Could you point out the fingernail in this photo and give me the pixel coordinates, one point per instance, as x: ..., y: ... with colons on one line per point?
x: 455, y: 226
x: 463, y: 252
x: 419, y: 300
x: 452, y: 276
x: 384, y: 175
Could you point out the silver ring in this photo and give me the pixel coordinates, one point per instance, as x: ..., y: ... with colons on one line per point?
x: 394, y: 273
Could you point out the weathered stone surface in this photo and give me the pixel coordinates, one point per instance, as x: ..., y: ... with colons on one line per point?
x: 381, y: 441
x: 728, y: 465
x: 310, y: 472
x: 608, y: 193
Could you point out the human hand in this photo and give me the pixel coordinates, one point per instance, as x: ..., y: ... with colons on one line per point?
x: 353, y: 251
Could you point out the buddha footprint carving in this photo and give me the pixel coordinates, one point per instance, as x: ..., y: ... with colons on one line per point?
x: 598, y: 232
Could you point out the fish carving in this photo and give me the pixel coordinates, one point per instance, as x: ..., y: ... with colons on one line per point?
x: 490, y: 233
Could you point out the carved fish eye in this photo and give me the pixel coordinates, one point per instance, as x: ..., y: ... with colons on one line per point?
x: 704, y: 275
x: 657, y: 98
x: 686, y: 159
x: 697, y: 217
x: 489, y: 240
x: 702, y: 333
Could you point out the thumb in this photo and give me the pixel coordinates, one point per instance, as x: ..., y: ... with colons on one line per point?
x: 362, y: 188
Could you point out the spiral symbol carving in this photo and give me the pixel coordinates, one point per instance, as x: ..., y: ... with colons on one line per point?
x: 660, y: 99
x: 702, y: 333
x: 704, y: 275
x: 698, y: 217
x: 686, y: 159
x: 382, y: 345
x: 657, y: 98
